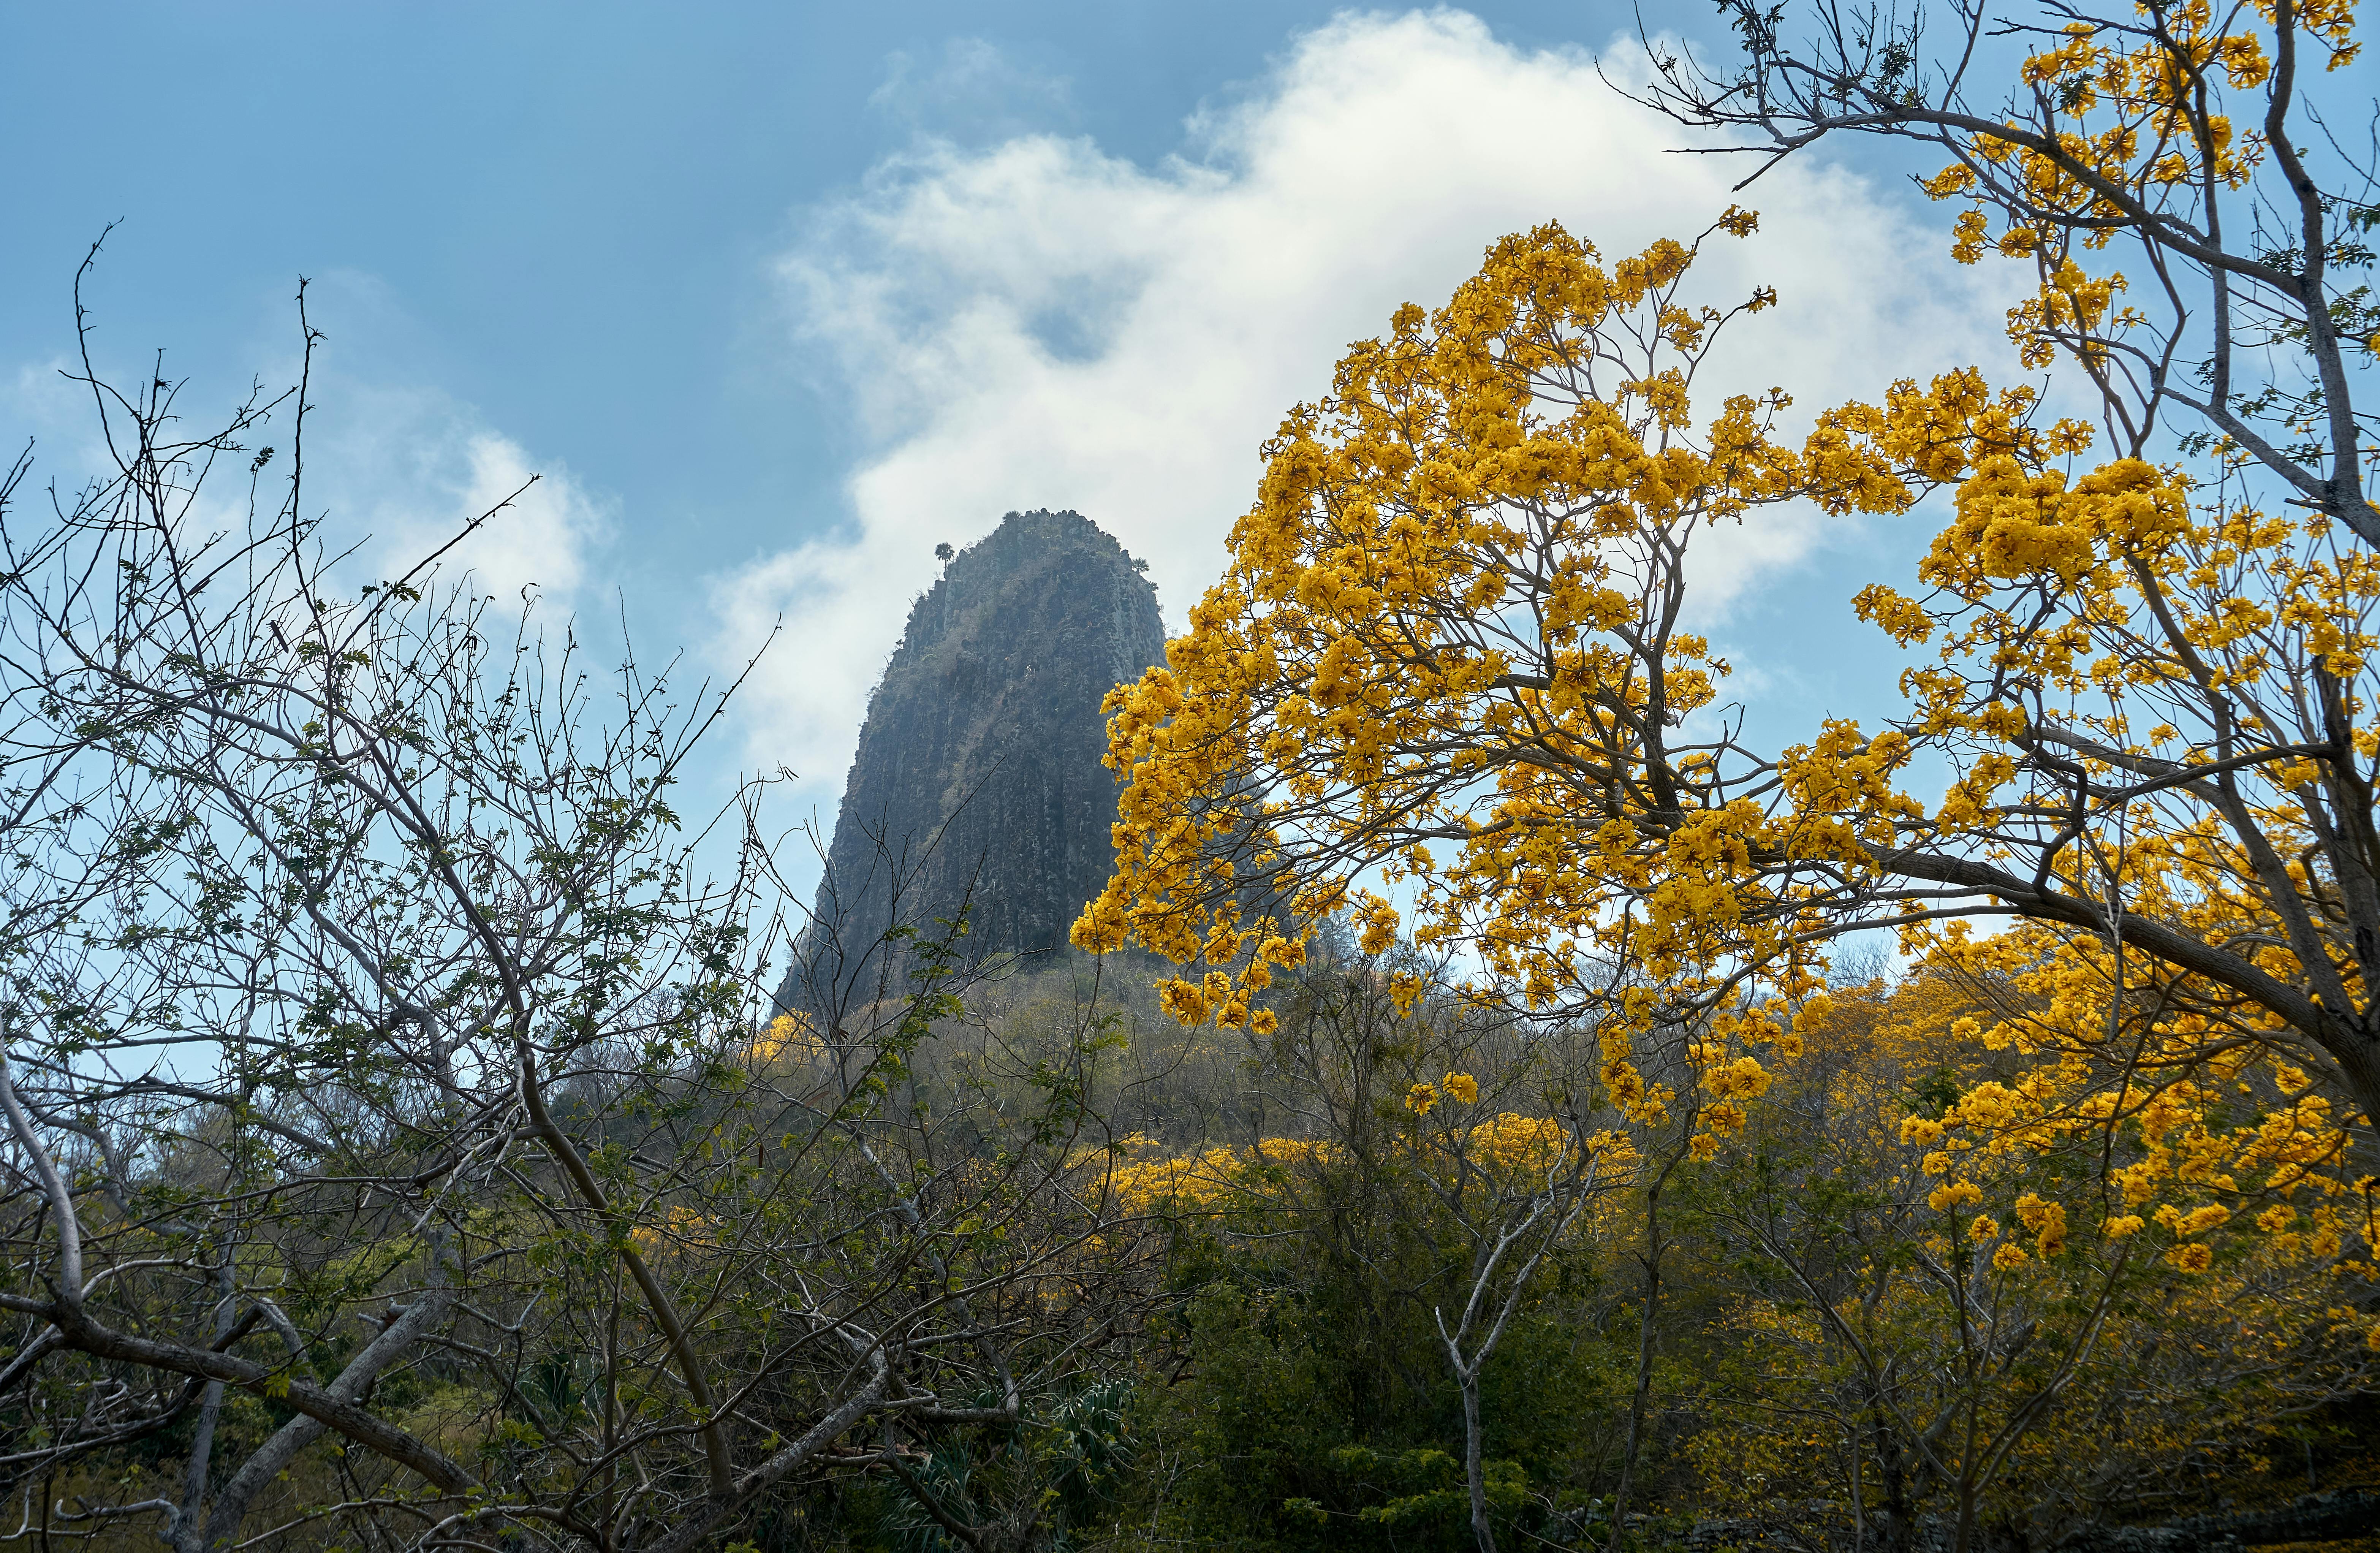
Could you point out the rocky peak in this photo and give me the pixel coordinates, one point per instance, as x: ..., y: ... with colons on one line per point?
x: 983, y: 740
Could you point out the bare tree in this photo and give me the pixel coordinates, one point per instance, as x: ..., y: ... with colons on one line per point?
x: 392, y: 1100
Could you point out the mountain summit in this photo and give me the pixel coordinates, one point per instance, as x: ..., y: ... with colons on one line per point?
x: 980, y: 760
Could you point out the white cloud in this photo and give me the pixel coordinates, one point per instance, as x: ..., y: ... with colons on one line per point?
x: 1039, y: 323
x: 397, y: 471
x: 411, y: 467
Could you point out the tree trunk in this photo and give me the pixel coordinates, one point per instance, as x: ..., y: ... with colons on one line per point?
x: 1642, y: 1394
x: 1474, y: 1472
x: 1900, y: 1517
x: 186, y: 1523
x: 2358, y: 1051
x: 1859, y: 1493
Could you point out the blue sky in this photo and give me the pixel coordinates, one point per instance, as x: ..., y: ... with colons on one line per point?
x: 562, y: 215
x: 777, y: 297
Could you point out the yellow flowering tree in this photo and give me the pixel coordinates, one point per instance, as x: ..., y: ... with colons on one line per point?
x: 1446, y: 658
x: 2022, y: 1290
x: 1448, y: 647
x: 2153, y: 672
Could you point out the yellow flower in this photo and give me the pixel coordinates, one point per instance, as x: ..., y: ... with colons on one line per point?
x: 1953, y: 1195
x: 2047, y: 1219
x: 1421, y: 1097
x: 1462, y: 1087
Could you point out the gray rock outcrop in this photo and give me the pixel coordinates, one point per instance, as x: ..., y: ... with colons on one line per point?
x: 978, y: 764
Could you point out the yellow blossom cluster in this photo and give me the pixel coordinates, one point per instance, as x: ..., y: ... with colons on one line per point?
x: 1504, y: 1146
x: 2128, y: 128
x: 2109, y: 1128
x: 673, y: 1229
x: 1460, y: 1088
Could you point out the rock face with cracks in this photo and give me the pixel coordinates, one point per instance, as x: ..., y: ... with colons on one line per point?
x: 978, y: 775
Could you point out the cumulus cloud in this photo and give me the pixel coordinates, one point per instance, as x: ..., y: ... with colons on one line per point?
x: 1039, y: 323
x: 411, y: 468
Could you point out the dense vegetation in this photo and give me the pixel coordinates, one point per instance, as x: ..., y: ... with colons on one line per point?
x: 1472, y: 1117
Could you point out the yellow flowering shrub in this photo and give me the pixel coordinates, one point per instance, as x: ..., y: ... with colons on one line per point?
x: 788, y: 1039
x: 1143, y: 1181
x: 1506, y: 1148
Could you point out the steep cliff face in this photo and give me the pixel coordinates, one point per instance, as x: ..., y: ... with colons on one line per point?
x: 983, y: 741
